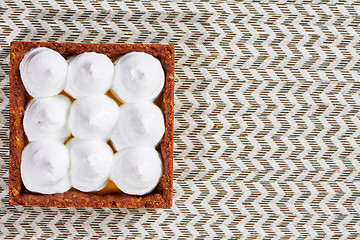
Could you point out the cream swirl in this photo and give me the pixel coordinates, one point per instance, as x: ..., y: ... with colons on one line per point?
x: 138, y: 125
x: 138, y: 77
x: 136, y: 171
x: 43, y: 72
x: 45, y: 167
x: 91, y: 162
x: 46, y: 118
x: 93, y: 117
x: 89, y: 74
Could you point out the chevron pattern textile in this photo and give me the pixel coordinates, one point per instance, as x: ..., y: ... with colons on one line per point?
x: 267, y: 117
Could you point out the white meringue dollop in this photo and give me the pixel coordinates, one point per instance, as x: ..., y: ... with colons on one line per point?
x: 136, y: 171
x: 138, y: 125
x: 43, y: 72
x: 91, y: 162
x: 45, y: 167
x: 138, y: 77
x: 89, y: 74
x: 46, y: 118
x: 93, y: 117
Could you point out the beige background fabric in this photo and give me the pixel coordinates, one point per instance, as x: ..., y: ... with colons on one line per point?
x: 267, y: 123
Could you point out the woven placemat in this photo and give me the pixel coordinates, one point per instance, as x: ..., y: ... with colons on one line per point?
x: 267, y: 123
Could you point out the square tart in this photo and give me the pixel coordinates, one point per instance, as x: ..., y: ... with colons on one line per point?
x: 160, y: 197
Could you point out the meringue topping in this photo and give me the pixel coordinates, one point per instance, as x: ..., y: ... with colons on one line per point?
x: 46, y: 118
x: 87, y: 161
x: 45, y: 167
x: 43, y: 72
x: 91, y: 162
x: 89, y: 74
x: 138, y: 125
x: 93, y: 117
x: 136, y: 171
x: 138, y: 77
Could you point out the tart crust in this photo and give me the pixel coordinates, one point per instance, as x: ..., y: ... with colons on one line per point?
x: 161, y: 197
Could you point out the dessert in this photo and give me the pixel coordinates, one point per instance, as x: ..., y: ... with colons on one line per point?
x: 45, y: 167
x: 90, y: 164
x: 138, y: 77
x: 47, y: 118
x: 136, y: 171
x: 93, y: 117
x: 43, y: 72
x: 138, y: 125
x: 89, y: 74
x: 161, y: 196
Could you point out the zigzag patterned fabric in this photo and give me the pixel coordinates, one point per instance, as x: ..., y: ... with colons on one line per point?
x: 267, y: 122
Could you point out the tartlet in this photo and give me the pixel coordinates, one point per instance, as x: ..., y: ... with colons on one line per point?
x: 161, y: 197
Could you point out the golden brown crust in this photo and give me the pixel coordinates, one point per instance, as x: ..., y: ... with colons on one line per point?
x: 161, y: 197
